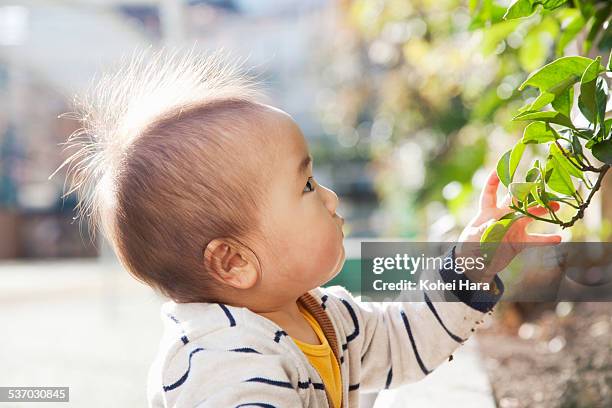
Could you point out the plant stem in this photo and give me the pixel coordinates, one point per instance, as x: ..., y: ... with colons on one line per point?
x: 532, y: 216
x: 587, y: 160
x: 587, y: 182
x: 580, y: 166
x: 596, y: 187
x: 579, y: 196
x: 568, y: 203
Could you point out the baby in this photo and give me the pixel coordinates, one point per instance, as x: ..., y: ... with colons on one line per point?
x: 207, y: 195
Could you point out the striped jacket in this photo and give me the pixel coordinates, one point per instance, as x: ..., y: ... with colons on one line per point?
x: 215, y: 356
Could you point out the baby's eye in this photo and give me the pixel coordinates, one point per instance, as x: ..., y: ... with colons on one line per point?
x: 309, y: 185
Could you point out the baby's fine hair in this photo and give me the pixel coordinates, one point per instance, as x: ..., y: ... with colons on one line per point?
x: 154, y: 164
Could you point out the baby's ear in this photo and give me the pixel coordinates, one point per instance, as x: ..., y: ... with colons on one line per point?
x: 228, y: 264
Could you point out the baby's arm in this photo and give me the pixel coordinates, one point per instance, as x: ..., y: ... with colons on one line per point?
x: 395, y: 343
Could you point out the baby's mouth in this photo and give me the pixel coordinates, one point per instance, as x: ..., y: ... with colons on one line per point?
x: 341, y: 225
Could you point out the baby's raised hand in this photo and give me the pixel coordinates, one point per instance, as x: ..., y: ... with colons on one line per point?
x: 514, y: 241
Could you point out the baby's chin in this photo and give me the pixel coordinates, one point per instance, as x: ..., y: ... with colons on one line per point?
x: 339, y: 264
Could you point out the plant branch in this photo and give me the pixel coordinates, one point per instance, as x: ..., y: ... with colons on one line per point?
x: 583, y: 206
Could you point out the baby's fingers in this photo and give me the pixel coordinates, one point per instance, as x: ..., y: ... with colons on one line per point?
x: 488, y: 196
x: 539, y: 210
x: 543, y: 238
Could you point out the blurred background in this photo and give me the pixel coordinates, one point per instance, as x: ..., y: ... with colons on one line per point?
x: 407, y: 105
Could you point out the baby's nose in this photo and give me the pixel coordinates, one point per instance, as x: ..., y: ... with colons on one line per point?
x: 331, y: 200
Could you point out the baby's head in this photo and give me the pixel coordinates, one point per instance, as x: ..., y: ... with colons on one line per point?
x: 205, y: 192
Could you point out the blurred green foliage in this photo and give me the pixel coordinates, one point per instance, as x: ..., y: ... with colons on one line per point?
x: 443, y: 76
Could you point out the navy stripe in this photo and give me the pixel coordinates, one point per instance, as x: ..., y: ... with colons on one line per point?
x: 184, y: 376
x: 344, y: 346
x: 318, y: 386
x: 228, y: 314
x: 355, y: 333
x: 284, y: 384
x: 245, y: 350
x: 184, y: 338
x: 306, y: 384
x: 414, y: 348
x: 256, y: 404
x: 268, y: 381
x: 389, y: 378
x: 433, y: 310
x: 323, y: 300
x: 279, y: 334
x: 354, y: 387
x: 341, y: 359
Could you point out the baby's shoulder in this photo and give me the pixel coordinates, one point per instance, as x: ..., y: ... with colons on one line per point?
x: 333, y: 294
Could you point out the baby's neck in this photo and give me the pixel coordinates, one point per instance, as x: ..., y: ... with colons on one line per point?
x: 291, y: 320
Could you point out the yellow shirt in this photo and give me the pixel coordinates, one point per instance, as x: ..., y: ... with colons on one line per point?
x: 323, y: 360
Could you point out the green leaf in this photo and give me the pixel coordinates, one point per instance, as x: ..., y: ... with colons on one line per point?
x: 576, y: 145
x: 533, y: 174
x: 536, y: 193
x: 542, y: 100
x: 488, y: 12
x: 589, y: 144
x: 494, y: 234
x: 515, y: 158
x: 503, y: 168
x: 564, y: 101
x: 546, y: 116
x: 608, y: 127
x: 563, y: 85
x: 507, y: 164
x: 538, y: 132
x: 586, y: 101
x: 565, y: 71
x: 564, y: 161
x: 610, y: 61
x: 603, y: 151
x: 551, y: 4
x: 520, y: 8
x: 525, y: 8
x: 601, y: 100
x: 520, y: 190
x: 557, y: 177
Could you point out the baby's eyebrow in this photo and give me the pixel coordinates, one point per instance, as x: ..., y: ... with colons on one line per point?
x: 304, y: 164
